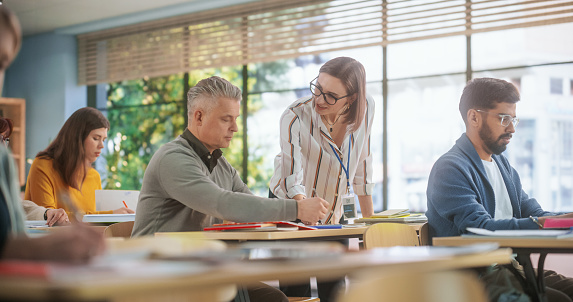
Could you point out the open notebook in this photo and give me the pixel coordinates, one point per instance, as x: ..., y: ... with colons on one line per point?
x: 109, y: 200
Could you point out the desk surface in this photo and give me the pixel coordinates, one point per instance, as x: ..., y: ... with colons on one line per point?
x: 321, y: 234
x: 272, y: 235
x: 512, y: 242
x: 205, y: 284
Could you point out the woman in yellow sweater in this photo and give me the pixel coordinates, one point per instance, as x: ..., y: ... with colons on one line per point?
x: 66, y: 165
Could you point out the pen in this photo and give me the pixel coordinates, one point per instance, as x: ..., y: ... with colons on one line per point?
x: 125, y: 204
x: 329, y: 211
x: 314, y: 191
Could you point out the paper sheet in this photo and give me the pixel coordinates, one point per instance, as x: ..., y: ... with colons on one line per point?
x: 109, y: 200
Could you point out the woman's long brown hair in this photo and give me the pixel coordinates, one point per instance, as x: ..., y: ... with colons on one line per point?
x: 67, y: 150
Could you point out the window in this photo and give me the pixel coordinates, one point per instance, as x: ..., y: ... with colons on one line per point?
x: 540, y: 149
x: 556, y: 86
x: 427, y: 57
x: 522, y: 47
x: 427, y: 61
x: 145, y: 114
x: 423, y: 123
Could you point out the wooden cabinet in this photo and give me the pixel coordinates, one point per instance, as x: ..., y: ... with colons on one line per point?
x: 15, y: 109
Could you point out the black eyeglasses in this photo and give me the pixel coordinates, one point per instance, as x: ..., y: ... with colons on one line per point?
x: 505, y: 118
x: 4, y: 140
x: 328, y: 98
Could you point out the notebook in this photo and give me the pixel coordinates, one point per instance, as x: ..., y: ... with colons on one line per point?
x: 393, y: 213
x: 109, y: 200
x: 108, y: 218
x: 558, y: 223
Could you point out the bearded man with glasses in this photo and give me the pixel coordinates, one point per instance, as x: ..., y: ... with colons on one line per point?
x: 473, y: 184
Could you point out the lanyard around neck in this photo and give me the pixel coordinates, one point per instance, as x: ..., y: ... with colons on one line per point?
x: 347, y: 162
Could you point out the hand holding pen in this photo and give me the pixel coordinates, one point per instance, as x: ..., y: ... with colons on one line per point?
x: 125, y: 210
x: 320, y: 221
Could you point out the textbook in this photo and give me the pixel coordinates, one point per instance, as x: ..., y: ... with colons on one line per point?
x: 259, y: 226
x: 558, y: 223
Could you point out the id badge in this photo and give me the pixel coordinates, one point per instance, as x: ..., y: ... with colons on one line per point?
x: 349, y: 206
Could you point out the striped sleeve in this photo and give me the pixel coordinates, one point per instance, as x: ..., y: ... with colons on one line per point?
x: 291, y: 161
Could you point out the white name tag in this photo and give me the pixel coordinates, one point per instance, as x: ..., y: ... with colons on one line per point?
x: 349, y: 206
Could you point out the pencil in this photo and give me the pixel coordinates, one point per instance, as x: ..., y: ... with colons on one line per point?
x: 125, y: 204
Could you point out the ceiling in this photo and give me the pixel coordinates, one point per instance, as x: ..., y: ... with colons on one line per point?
x: 80, y: 16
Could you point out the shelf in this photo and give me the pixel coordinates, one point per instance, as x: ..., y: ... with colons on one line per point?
x: 15, y: 109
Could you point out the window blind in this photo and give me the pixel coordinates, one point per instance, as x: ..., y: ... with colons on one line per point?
x: 269, y: 30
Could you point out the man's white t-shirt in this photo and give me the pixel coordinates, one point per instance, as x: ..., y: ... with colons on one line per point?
x: 503, y: 209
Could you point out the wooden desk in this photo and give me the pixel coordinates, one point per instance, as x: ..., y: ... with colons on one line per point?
x: 317, y: 235
x: 523, y: 247
x: 206, y: 285
x: 324, y: 234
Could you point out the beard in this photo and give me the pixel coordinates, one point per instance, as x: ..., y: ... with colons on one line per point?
x: 495, y: 146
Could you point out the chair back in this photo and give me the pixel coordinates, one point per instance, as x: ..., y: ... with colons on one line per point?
x: 120, y: 229
x: 424, y: 234
x: 448, y: 286
x: 390, y: 234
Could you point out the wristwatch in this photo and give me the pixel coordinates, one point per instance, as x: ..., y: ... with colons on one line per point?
x: 536, y: 221
x: 46, y: 214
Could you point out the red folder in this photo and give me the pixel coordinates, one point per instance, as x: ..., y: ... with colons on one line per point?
x: 21, y: 268
x: 259, y: 226
x: 558, y: 223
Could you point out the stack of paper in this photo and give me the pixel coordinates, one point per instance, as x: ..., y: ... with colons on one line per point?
x: 395, y: 215
x: 522, y: 233
x: 392, y: 213
x: 108, y: 218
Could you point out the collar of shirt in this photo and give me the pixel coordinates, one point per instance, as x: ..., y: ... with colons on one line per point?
x: 210, y: 160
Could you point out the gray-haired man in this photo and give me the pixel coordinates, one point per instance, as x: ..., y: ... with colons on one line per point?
x: 189, y: 185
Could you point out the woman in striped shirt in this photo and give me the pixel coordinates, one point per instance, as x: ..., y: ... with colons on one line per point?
x: 325, y: 140
x: 325, y: 148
